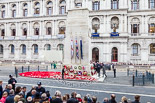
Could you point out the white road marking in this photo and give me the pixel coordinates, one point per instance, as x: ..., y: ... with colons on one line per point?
x: 100, y: 91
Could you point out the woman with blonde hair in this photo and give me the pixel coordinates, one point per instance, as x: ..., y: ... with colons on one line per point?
x: 3, y: 99
x: 124, y: 100
x: 16, y: 99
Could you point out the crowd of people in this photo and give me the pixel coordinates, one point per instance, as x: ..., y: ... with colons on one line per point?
x: 38, y: 94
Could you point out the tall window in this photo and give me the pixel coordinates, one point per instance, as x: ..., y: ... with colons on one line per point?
x: 25, y: 31
x: 96, y: 5
x: 36, y: 30
x: 114, y: 4
x: 3, y: 32
x: 37, y: 9
x: 13, y: 32
x: 35, y: 48
x: 135, y: 4
x: 49, y: 30
x: 95, y: 25
x: 13, y: 13
x: 1, y: 49
x: 49, y: 8
x: 135, y: 28
x: 25, y: 12
x: 63, y: 7
x: 135, y: 49
x: 151, y: 4
x: 3, y: 14
x: 62, y: 10
x: 152, y: 48
x: 23, y: 49
x: 12, y: 49
x: 49, y: 11
x: 152, y: 28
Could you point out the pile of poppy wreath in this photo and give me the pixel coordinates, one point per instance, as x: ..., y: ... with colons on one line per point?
x: 57, y: 75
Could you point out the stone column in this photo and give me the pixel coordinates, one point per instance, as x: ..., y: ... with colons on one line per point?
x: 6, y: 29
x: 28, y: 28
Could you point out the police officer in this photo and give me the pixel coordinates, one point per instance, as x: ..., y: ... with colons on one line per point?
x: 12, y: 81
x: 63, y: 71
x: 40, y: 89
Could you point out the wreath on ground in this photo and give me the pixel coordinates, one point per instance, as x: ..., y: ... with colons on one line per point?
x: 80, y: 68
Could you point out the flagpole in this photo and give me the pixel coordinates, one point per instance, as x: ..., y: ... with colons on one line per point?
x: 71, y: 48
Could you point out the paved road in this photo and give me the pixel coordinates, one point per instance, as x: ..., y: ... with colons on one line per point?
x: 100, y: 90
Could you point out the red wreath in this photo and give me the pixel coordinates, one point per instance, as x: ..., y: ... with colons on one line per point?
x: 92, y: 67
x: 84, y: 73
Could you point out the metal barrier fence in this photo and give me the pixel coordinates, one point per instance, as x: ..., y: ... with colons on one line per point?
x: 23, y: 69
x: 141, y: 78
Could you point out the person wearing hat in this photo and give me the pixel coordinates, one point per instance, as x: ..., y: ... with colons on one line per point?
x: 12, y: 81
x: 40, y: 89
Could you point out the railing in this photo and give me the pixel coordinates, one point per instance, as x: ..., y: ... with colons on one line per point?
x: 151, y: 57
x: 95, y: 35
x: 135, y: 34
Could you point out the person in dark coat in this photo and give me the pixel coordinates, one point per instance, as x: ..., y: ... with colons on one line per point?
x: 98, y: 69
x: 40, y: 89
x: 12, y: 81
x: 29, y: 93
x: 10, y: 98
x: 73, y: 98
x: 137, y: 99
x: 58, y: 97
x: 1, y: 89
x: 112, y: 100
x: 63, y: 71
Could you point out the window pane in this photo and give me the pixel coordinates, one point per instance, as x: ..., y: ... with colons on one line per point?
x: 1, y: 49
x: 12, y: 49
x: 62, y: 10
x: 3, y: 14
x: 152, y: 48
x: 23, y: 49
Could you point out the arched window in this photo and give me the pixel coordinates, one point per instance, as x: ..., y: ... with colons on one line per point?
x: 152, y: 25
x: 114, y: 23
x: 151, y: 4
x: 35, y: 49
x: 62, y: 27
x: 47, y: 47
x: 25, y: 9
x: 114, y: 54
x: 23, y: 49
x: 135, y: 26
x: 95, y: 54
x: 3, y: 11
x: 13, y: 30
x: 49, y: 28
x: 60, y: 47
x: 95, y: 25
x: 49, y: 8
x: 96, y: 5
x: 1, y: 49
x: 134, y: 4
x: 24, y: 27
x: 114, y: 4
x: 152, y: 48
x: 2, y: 28
x: 62, y: 7
x: 135, y: 49
x: 14, y: 10
x: 12, y: 49
x: 36, y: 28
x: 37, y: 9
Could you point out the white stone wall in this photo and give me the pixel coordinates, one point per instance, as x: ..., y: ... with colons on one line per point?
x: 105, y: 43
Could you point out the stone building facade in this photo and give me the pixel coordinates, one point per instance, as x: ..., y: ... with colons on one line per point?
x: 111, y: 30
